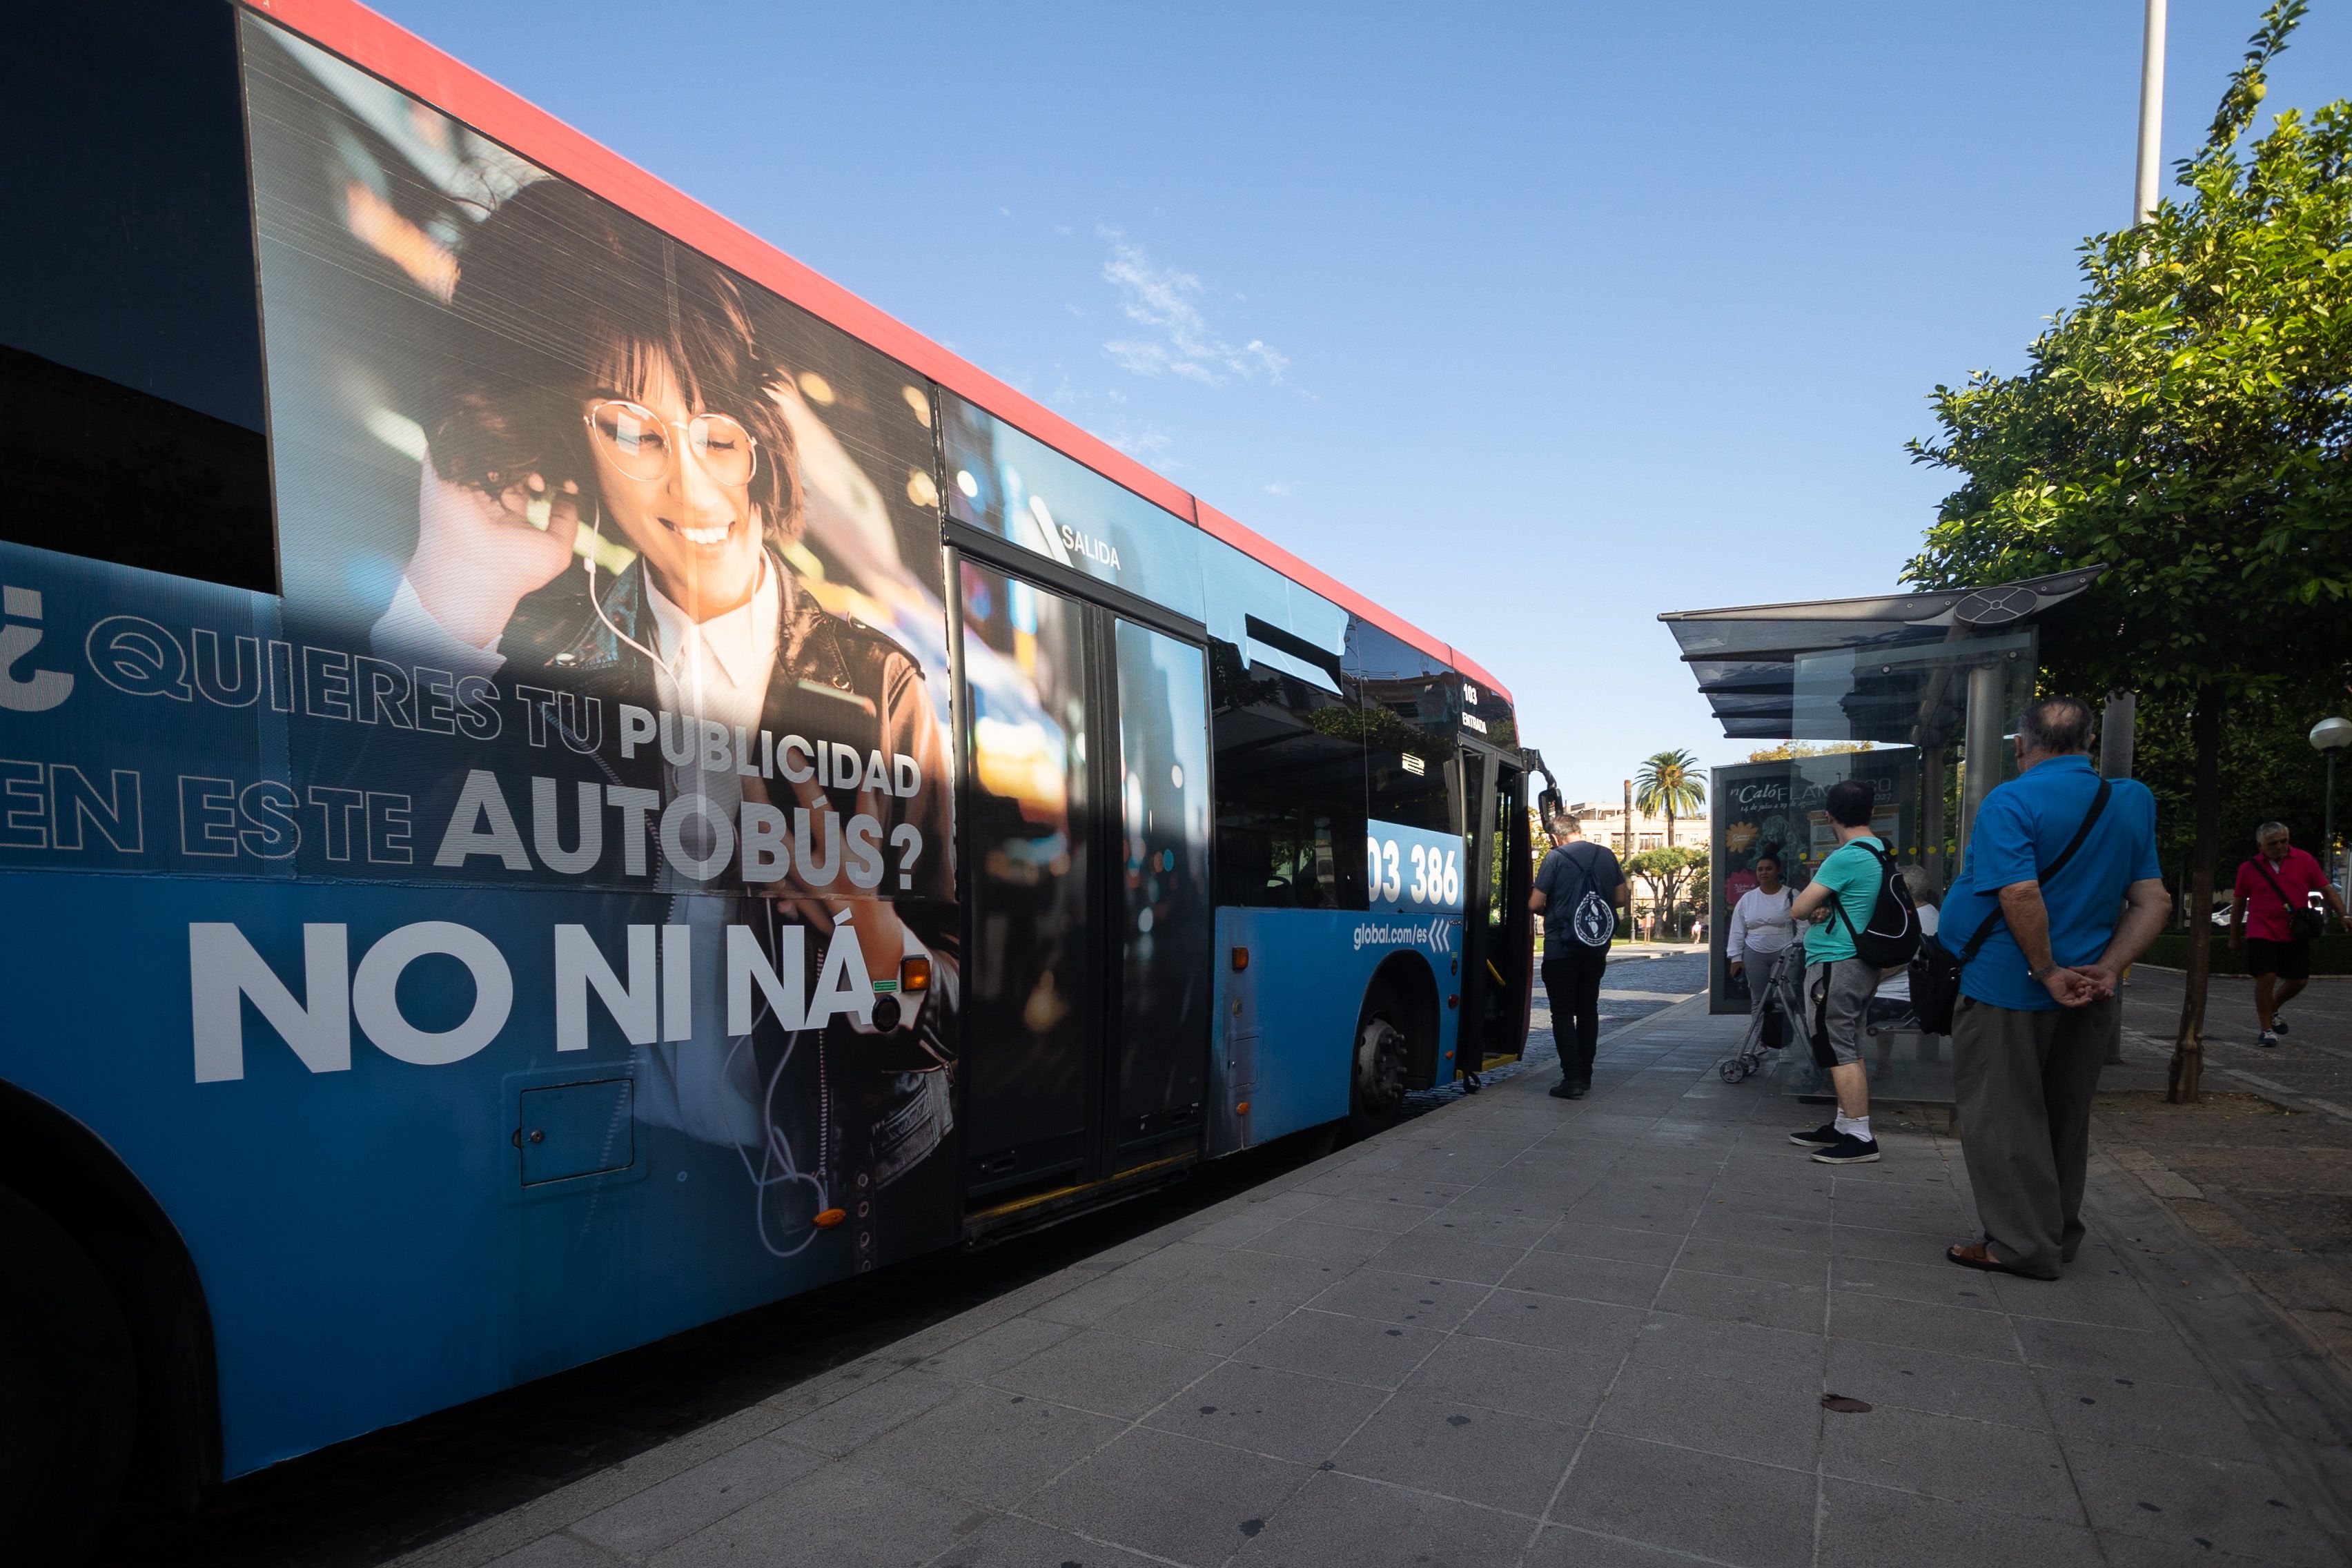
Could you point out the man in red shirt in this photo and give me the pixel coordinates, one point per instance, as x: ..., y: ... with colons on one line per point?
x: 2272, y: 888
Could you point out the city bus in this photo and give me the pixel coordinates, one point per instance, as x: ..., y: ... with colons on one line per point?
x: 562, y: 777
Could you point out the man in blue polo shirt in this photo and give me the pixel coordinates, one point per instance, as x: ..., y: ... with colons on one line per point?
x: 2038, y: 1010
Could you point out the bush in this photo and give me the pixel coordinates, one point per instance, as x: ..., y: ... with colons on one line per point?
x: 2330, y: 954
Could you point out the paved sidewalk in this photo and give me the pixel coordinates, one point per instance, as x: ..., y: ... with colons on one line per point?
x: 1521, y: 1331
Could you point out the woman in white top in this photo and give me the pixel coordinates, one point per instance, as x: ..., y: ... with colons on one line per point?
x: 1760, y: 929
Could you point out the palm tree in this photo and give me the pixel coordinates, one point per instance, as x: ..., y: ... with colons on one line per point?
x: 1668, y: 784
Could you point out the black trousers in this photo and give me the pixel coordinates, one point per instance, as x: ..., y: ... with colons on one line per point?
x: 1571, y: 977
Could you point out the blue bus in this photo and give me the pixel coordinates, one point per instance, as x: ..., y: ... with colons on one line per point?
x: 562, y: 777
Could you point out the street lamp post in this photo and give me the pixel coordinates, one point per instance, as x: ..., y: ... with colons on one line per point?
x: 2331, y: 736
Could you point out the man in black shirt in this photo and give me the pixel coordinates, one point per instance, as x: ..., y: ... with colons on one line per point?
x: 1579, y: 889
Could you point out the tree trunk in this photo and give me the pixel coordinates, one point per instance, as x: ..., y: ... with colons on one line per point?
x: 2188, y: 1068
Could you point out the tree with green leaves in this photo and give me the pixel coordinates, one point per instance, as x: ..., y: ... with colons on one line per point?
x: 1668, y: 786
x: 1674, y: 876
x: 2186, y: 423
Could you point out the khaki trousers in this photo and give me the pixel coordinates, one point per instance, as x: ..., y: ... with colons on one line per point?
x: 2025, y: 1082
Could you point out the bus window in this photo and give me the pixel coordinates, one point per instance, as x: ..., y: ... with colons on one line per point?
x: 1410, y: 750
x: 1290, y: 788
x: 130, y: 339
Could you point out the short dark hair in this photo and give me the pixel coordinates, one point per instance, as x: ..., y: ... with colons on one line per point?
x: 1770, y: 852
x: 2058, y: 725
x: 1850, y: 802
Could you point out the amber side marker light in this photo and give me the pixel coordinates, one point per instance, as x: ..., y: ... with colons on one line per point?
x: 1241, y: 959
x: 914, y: 974
x: 1243, y: 1108
x: 827, y: 1218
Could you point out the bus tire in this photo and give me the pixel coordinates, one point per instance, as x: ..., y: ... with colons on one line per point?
x: 1383, y: 1051
x: 69, y: 1393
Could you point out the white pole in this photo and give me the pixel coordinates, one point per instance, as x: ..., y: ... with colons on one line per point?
x: 2151, y: 114
x: 2117, y: 725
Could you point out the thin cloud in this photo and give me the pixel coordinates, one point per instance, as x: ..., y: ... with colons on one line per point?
x: 1178, y: 340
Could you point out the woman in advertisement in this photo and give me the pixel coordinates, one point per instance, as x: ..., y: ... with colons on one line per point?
x: 605, y: 386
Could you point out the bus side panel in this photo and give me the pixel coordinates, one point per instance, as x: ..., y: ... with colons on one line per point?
x: 1287, y: 1023
x: 367, y: 1243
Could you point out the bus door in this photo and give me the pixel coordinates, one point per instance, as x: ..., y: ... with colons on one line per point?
x: 1494, y: 928
x: 1085, y: 829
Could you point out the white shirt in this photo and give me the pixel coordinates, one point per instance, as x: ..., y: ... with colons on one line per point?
x: 1759, y: 924
x: 1898, y: 983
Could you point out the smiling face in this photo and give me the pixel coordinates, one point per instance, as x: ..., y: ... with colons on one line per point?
x: 698, y: 531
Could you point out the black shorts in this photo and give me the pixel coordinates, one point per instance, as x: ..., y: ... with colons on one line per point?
x: 2287, y: 960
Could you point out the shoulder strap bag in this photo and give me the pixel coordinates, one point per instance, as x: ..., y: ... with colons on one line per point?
x: 2302, y: 923
x: 1935, y: 973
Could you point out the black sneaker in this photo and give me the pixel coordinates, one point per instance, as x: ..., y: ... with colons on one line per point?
x: 2278, y: 1024
x: 1825, y: 1136
x: 1848, y: 1150
x: 1564, y: 1090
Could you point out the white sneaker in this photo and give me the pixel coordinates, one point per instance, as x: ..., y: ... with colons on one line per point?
x: 2267, y: 1039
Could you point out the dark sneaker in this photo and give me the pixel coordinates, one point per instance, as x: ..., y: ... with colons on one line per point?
x: 1564, y: 1090
x: 1822, y: 1137
x: 1848, y: 1150
x: 2278, y: 1024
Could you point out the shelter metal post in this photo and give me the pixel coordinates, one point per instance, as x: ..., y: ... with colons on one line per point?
x: 1931, y: 815
x: 1987, y: 716
x: 2116, y: 727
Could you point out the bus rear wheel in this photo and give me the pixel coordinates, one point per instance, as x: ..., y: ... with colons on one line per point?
x: 1383, y: 1051
x: 69, y: 1392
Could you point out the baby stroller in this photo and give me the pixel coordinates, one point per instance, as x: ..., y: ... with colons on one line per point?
x: 1772, y: 1025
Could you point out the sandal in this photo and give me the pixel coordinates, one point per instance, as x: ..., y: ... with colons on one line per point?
x: 1977, y: 1254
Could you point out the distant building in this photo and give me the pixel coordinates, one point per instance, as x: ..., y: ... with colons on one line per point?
x: 1604, y: 823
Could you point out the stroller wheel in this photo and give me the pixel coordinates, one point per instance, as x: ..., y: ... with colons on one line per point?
x: 1747, y: 1066
x: 1729, y: 1069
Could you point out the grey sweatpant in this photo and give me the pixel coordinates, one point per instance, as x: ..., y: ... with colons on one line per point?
x: 2024, y: 1083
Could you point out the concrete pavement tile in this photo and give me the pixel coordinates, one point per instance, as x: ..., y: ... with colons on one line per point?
x: 1268, y: 1411
x: 1768, y: 1203
x: 1587, y: 1279
x: 2178, y: 1499
x: 1970, y: 1386
x: 1735, y: 1300
x: 1553, y: 1321
x: 1353, y: 1350
x: 1091, y: 1303
x: 1712, y: 1255
x: 565, y: 1550
x: 1745, y: 1352
x: 1580, y: 1235
x: 2142, y: 1414
x: 1159, y: 1493
x: 1657, y: 1211
x: 1264, y: 1274
x: 1464, y: 1451
x: 1341, y: 1522
x: 1401, y: 1297
x: 1955, y: 1330
x: 1105, y: 1373
x: 1561, y: 1385
x: 1208, y: 1318
x: 1667, y: 1404
x: 1009, y: 1542
x: 1389, y: 1214
x: 1558, y: 1546
x: 1806, y: 1236
x: 1729, y: 1509
x: 1418, y: 1251
x: 1872, y: 1527
x: 1489, y: 1227
x: 1848, y: 1239
x: 842, y: 1516
x: 1939, y: 1283
x: 994, y: 1348
x: 2066, y: 1300
x: 1999, y: 1469
x: 857, y: 1419
x: 2141, y: 1551
x: 2136, y: 1354
x: 987, y: 1446
x: 1235, y: 1228
x: 1380, y: 1189
x: 686, y: 1502
x: 1308, y: 1238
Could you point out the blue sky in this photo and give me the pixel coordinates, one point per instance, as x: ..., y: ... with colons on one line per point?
x: 1528, y: 322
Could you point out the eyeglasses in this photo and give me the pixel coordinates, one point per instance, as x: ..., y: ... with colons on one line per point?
x: 638, y: 442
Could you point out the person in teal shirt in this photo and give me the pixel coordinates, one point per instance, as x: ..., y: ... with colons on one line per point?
x: 1837, y: 983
